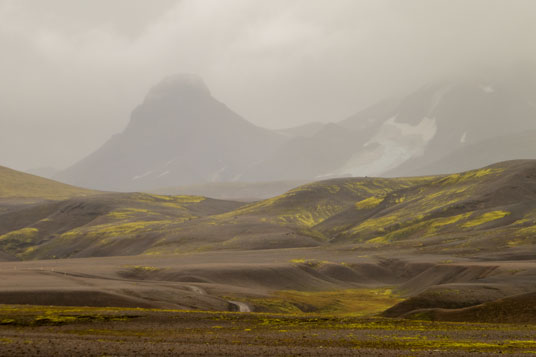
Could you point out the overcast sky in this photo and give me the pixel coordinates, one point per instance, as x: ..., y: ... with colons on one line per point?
x: 72, y: 71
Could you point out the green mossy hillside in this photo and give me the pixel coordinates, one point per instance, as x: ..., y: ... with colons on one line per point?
x: 463, y: 213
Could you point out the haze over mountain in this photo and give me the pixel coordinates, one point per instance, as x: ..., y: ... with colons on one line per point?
x: 398, y: 136
x: 180, y: 135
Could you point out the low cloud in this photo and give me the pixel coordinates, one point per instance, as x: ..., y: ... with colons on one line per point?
x: 72, y: 71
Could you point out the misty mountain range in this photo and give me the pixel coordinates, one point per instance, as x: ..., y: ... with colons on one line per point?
x: 182, y: 135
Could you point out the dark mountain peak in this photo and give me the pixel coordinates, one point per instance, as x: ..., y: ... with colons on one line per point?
x: 179, y: 86
x: 177, y: 100
x: 179, y: 135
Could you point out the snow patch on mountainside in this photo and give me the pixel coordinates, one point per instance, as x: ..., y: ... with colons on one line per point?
x: 137, y: 177
x: 393, y: 144
x: 391, y: 129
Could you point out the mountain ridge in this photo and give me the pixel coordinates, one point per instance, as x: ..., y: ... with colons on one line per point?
x: 181, y: 135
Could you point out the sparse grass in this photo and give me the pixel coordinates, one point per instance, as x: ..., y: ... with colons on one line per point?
x: 350, y: 302
x: 22, y: 234
x: 162, y: 330
x: 15, y: 241
x: 470, y: 175
x: 370, y: 212
x: 16, y: 184
x: 313, y: 263
x: 369, y: 203
x: 142, y: 268
x: 127, y: 213
x: 111, y: 230
x: 485, y: 218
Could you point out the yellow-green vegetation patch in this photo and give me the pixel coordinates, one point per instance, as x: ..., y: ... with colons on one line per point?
x: 126, y: 213
x: 377, y: 224
x: 470, y: 175
x: 19, y: 240
x: 521, y: 222
x: 441, y: 344
x: 309, y: 217
x: 24, y: 234
x: 293, y: 329
x: 305, y: 219
x: 382, y: 186
x: 352, y: 302
x: 315, y: 263
x: 439, y: 222
x: 378, y: 240
x: 16, y: 184
x: 253, y: 207
x: 400, y: 199
x: 179, y: 202
x: 142, y: 268
x: 369, y: 203
x: 530, y: 231
x: 26, y: 252
x: 485, y: 218
x: 517, y: 242
x: 424, y: 228
x: 111, y: 230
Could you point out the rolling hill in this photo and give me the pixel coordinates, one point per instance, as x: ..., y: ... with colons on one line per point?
x: 16, y: 185
x: 467, y: 213
x: 234, y: 191
x: 455, y: 247
x: 100, y: 225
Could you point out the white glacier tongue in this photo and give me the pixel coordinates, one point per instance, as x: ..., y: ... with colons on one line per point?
x: 391, y: 146
x: 145, y: 174
x: 391, y: 129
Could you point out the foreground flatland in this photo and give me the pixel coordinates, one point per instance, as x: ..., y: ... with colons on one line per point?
x: 62, y: 331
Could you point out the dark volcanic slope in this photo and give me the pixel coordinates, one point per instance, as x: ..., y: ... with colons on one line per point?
x: 494, y: 205
x: 101, y: 225
x: 490, y: 208
x: 512, y: 309
x: 476, y: 211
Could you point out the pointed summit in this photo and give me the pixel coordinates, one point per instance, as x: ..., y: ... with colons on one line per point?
x: 177, y: 100
x: 179, y: 86
x: 179, y: 135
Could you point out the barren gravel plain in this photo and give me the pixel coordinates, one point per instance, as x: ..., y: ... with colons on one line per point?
x: 63, y: 331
